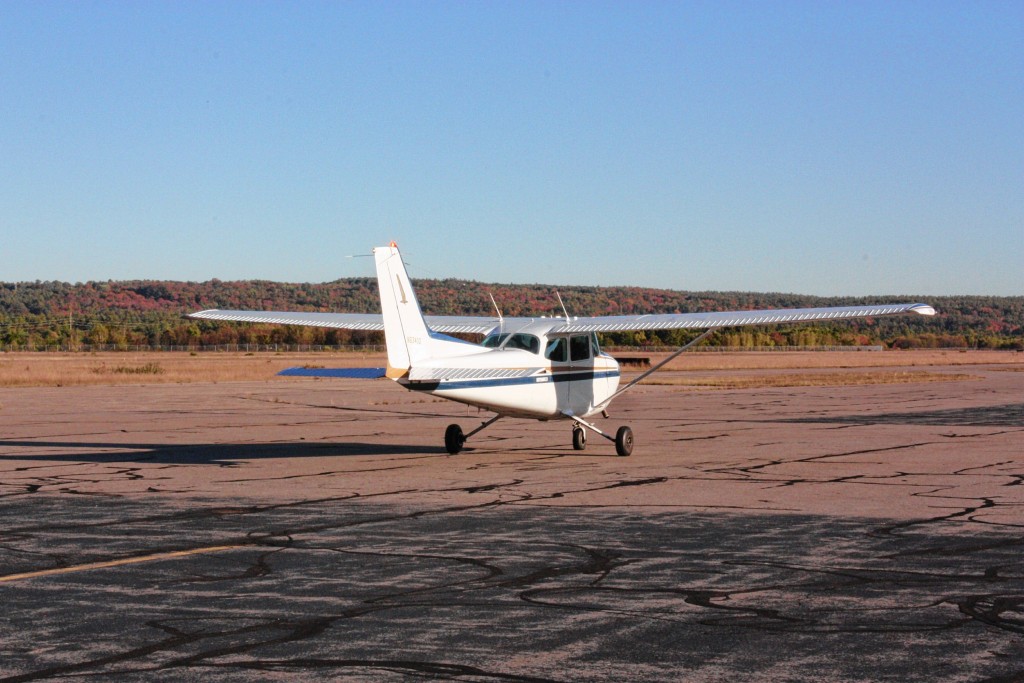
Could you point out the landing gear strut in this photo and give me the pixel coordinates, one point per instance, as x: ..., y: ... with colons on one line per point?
x: 623, y: 438
x: 454, y: 439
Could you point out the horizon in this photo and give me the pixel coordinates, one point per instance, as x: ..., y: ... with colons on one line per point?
x: 553, y: 286
x: 834, y: 150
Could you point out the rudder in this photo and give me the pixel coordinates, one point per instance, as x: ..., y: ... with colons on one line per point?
x: 405, y: 332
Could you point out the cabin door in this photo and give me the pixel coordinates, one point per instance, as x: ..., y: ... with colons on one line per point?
x: 581, y: 363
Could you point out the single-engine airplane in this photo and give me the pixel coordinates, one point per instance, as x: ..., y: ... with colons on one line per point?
x: 536, y: 368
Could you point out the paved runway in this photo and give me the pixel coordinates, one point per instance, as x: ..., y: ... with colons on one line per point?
x: 316, y: 529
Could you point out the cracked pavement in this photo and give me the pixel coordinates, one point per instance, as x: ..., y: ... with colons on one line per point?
x: 291, y: 529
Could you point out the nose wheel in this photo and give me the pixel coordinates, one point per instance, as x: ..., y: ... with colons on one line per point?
x: 579, y: 438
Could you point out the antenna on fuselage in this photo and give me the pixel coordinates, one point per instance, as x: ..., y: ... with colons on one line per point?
x: 501, y: 320
x: 567, y: 320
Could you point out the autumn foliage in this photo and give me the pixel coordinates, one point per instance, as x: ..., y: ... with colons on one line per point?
x: 41, y: 314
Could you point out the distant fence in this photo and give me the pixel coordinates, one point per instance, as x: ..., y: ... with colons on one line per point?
x: 380, y: 348
x: 727, y: 349
x: 204, y: 348
x: 377, y: 348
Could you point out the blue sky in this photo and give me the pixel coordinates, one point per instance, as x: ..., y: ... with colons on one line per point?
x: 811, y: 147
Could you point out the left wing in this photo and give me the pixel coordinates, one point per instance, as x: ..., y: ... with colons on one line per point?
x: 347, y: 321
x: 356, y: 321
x: 608, y: 323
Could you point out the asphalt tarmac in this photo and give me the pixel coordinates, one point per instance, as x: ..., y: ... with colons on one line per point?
x: 311, y: 529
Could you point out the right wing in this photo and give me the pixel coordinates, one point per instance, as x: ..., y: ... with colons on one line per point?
x: 703, y: 321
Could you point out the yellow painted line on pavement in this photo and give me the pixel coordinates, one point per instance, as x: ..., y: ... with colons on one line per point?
x: 157, y: 557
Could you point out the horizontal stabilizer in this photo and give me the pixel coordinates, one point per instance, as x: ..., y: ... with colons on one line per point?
x: 352, y: 373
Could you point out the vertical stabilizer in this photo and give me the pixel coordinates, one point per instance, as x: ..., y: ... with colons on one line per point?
x: 405, y: 332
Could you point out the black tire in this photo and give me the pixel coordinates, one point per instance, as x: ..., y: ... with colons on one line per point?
x: 454, y: 439
x: 579, y: 438
x: 624, y: 441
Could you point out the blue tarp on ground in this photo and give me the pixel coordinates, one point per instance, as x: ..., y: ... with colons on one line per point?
x: 357, y: 373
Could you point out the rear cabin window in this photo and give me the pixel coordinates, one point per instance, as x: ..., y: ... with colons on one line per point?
x: 527, y: 342
x: 579, y: 347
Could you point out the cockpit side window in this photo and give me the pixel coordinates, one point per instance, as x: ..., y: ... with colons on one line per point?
x: 524, y: 341
x: 493, y: 341
x: 579, y: 347
x: 556, y: 350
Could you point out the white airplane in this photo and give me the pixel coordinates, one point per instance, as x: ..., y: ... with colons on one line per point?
x: 537, y: 368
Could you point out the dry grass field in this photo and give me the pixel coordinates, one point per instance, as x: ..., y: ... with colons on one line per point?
x: 792, y: 360
x: 804, y: 368
x: 803, y: 379
x: 77, y: 369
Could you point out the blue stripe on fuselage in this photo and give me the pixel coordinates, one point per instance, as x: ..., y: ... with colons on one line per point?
x: 448, y: 385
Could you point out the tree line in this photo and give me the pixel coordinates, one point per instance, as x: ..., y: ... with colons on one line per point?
x: 151, y: 312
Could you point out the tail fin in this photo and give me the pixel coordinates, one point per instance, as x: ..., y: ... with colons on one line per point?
x: 405, y: 332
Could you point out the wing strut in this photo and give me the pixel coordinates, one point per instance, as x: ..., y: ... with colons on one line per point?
x: 657, y: 367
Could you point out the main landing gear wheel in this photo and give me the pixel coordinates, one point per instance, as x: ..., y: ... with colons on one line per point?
x: 579, y: 438
x: 624, y: 441
x: 454, y: 439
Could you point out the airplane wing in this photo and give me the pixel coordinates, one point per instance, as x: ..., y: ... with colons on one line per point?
x: 673, y: 321
x: 608, y: 323
x: 353, y: 321
x: 347, y: 321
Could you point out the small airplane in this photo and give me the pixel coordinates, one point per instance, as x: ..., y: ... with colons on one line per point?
x: 545, y: 368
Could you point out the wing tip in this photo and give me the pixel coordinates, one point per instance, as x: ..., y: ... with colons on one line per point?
x: 922, y: 309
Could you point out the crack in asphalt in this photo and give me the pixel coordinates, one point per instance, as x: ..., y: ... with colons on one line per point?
x: 524, y: 561
x: 577, y: 578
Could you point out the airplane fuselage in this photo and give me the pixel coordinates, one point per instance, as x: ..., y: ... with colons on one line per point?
x: 523, y: 374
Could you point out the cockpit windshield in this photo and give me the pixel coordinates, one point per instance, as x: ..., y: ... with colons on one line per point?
x: 511, y: 340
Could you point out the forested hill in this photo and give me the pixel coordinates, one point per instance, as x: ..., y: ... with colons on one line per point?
x: 150, y: 312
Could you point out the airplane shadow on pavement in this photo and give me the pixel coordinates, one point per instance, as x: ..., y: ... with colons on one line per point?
x: 223, y: 454
x: 1008, y: 415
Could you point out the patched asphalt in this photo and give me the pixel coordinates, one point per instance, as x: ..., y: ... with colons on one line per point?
x: 317, y: 529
